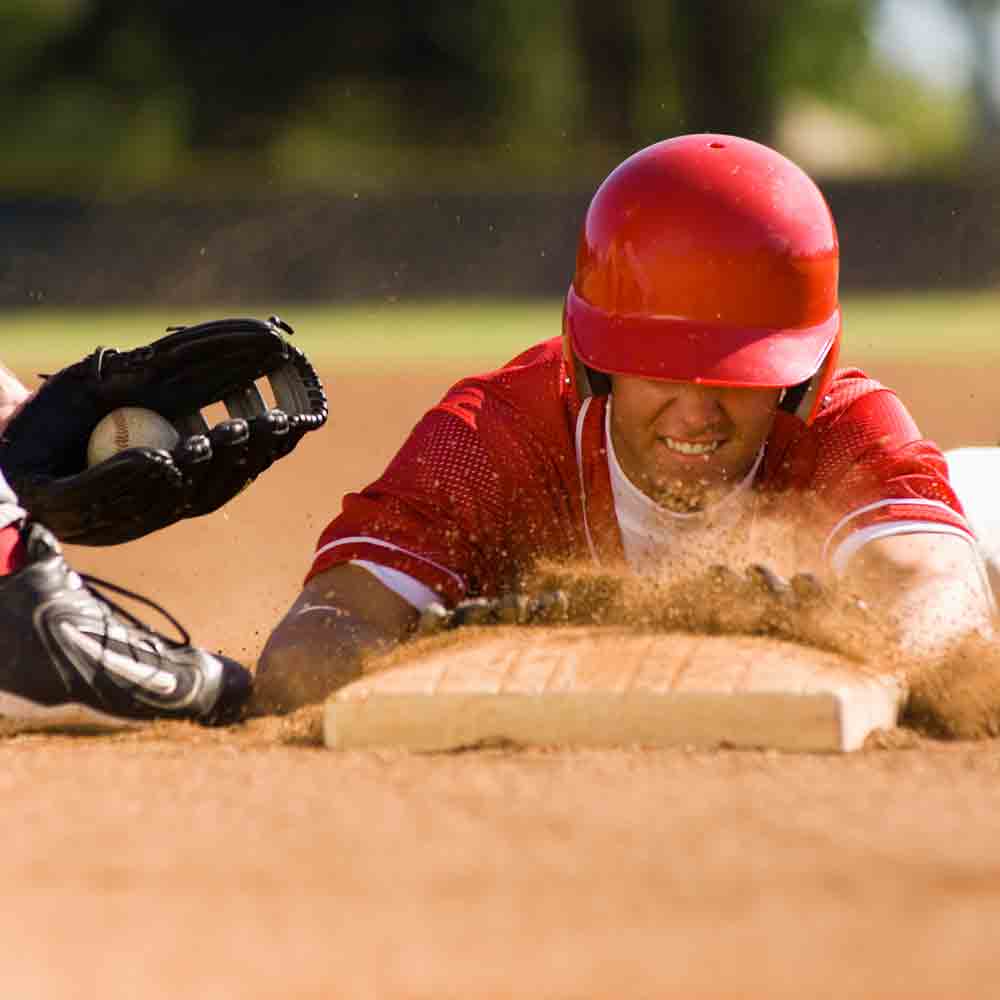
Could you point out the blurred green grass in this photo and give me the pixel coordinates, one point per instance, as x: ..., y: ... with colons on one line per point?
x: 383, y: 336
x: 400, y: 336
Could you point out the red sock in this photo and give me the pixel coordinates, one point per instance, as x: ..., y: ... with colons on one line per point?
x: 12, y: 552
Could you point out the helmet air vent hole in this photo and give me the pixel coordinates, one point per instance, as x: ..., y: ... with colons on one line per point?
x: 716, y: 145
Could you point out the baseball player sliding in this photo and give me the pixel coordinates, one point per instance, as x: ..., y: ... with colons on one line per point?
x: 67, y: 653
x: 694, y: 388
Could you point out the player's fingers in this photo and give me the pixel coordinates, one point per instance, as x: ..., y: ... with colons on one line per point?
x: 433, y: 619
x: 511, y: 609
x: 475, y: 611
x: 722, y: 577
x: 807, y: 588
x: 764, y: 579
x: 550, y: 606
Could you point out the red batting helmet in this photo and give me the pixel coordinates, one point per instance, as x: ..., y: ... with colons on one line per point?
x: 711, y: 259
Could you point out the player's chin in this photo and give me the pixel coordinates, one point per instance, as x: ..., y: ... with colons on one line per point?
x: 692, y: 487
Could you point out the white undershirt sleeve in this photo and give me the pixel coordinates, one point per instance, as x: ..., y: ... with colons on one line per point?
x: 415, y: 593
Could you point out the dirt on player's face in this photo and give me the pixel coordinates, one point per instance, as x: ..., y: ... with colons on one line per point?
x: 685, y: 445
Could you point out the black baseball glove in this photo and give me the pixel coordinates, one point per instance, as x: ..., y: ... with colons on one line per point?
x: 43, y: 450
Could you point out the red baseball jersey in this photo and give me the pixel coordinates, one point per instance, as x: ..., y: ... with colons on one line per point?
x: 509, y: 468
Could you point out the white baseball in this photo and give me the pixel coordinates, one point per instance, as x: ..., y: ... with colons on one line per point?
x: 130, y: 427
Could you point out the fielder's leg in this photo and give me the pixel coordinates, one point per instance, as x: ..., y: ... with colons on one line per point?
x: 69, y: 655
x: 975, y: 476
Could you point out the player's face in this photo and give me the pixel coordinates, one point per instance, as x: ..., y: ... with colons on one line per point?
x: 685, y: 445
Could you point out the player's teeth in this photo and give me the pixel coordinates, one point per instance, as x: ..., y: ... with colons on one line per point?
x: 691, y: 447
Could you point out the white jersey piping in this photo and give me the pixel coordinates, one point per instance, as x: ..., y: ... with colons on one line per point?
x: 418, y: 595
x: 850, y: 546
x: 907, y: 501
x: 583, y: 488
x: 364, y: 539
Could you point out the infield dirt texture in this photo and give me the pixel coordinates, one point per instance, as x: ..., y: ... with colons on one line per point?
x: 249, y: 862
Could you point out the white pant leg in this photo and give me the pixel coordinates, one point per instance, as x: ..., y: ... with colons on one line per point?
x: 10, y: 512
x: 975, y: 477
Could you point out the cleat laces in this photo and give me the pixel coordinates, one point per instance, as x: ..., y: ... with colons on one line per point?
x: 111, y: 608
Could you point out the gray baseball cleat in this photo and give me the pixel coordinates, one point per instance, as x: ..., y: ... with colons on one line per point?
x: 69, y: 656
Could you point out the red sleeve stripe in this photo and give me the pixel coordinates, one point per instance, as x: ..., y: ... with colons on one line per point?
x: 444, y: 581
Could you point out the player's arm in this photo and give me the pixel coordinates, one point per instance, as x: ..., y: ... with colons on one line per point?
x: 898, y: 532
x: 342, y: 615
x: 444, y: 522
x: 932, y: 587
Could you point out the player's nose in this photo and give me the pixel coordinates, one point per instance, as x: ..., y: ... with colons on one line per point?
x: 696, y: 408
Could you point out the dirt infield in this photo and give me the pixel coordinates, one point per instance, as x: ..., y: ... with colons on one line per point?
x: 177, y: 861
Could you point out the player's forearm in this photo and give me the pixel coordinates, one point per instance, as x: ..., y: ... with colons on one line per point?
x: 931, y: 614
x: 12, y: 394
x: 305, y: 661
x: 341, y: 618
x: 929, y: 587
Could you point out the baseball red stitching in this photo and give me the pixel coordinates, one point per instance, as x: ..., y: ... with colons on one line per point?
x: 121, y: 430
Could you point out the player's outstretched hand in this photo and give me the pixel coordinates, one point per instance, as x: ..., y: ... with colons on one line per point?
x: 800, y: 590
x: 511, y: 609
x: 43, y: 450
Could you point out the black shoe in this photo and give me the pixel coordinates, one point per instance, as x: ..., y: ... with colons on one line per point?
x: 71, y: 657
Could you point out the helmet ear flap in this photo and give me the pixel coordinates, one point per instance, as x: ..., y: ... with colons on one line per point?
x: 599, y: 383
x: 804, y: 400
x: 792, y: 397
x: 585, y: 381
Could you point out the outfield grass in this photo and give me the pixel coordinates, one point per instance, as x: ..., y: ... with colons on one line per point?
x: 392, y: 336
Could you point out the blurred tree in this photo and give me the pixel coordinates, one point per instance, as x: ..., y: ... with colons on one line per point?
x: 26, y: 26
x: 738, y: 61
x: 243, y: 67
x: 116, y: 90
x: 727, y: 56
x: 981, y: 21
x: 608, y: 36
x: 651, y: 67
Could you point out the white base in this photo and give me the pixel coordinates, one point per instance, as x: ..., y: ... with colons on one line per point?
x: 585, y: 687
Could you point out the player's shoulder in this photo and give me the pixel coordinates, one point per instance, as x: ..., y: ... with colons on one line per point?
x: 541, y: 363
x: 848, y: 386
x: 863, y: 410
x: 533, y: 382
x: 858, y: 417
